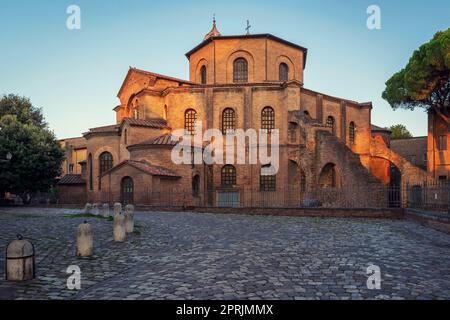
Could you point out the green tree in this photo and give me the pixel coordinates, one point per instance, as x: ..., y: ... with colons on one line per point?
x: 399, y: 131
x: 36, y: 154
x: 425, y: 81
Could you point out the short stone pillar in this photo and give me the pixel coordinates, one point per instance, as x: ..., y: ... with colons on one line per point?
x: 20, y: 260
x: 87, y: 208
x: 119, y: 227
x: 129, y: 218
x: 117, y: 208
x: 84, y: 240
x: 95, y: 210
x: 105, y: 210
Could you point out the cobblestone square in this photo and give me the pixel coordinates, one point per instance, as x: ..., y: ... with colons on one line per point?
x: 218, y: 256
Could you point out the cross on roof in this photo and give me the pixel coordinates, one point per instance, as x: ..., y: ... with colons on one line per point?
x: 248, y: 27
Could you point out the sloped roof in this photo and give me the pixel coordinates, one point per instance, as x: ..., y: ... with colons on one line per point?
x: 377, y: 128
x: 163, y: 140
x: 146, y: 168
x: 71, y: 179
x: 151, y: 123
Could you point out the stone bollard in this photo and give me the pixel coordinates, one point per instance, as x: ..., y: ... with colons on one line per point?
x: 87, y: 208
x: 95, y: 210
x: 84, y: 240
x: 105, y: 211
x: 20, y: 260
x: 117, y: 208
x: 129, y: 218
x: 119, y: 227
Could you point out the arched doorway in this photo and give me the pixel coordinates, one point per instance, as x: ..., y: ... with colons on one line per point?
x: 127, y: 191
x: 395, y: 182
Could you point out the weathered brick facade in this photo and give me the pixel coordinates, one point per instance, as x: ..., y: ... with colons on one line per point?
x: 325, y: 142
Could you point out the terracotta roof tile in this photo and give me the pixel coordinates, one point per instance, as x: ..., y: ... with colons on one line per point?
x: 71, y: 179
x: 163, y: 140
x: 151, y: 123
x: 146, y: 168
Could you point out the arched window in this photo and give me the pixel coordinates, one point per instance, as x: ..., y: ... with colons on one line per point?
x: 228, y: 120
x: 267, y: 181
x: 203, y: 74
x: 125, y: 136
x: 283, y: 71
x: 136, y: 113
x: 106, y: 162
x: 240, y: 70
x: 127, y: 191
x: 302, y: 181
x: 190, y: 116
x: 228, y: 176
x: 331, y: 124
x: 351, y: 132
x: 165, y: 112
x: 268, y: 119
x: 91, y: 174
x: 196, y: 185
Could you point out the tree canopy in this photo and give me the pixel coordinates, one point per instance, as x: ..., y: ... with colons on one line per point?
x: 399, y: 131
x: 425, y: 81
x: 36, y: 154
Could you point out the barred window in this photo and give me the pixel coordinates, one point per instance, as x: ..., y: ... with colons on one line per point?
x: 267, y: 182
x: 91, y: 173
x: 351, y: 132
x: 203, y: 74
x: 331, y: 124
x: 228, y: 176
x: 228, y: 120
x: 302, y: 181
x: 196, y: 185
x: 190, y: 116
x: 240, y: 70
x: 442, y: 142
x: 106, y: 162
x: 283, y: 72
x: 268, y: 119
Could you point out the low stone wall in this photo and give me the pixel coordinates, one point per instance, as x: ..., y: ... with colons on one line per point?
x: 388, y: 213
x: 436, y: 220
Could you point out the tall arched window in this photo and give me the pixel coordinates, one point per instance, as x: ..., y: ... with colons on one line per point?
x: 267, y: 182
x: 228, y: 120
x: 351, y: 132
x: 190, y: 116
x: 331, y: 124
x: 91, y: 173
x: 240, y: 70
x: 228, y: 176
x: 106, y: 162
x: 203, y: 74
x: 196, y: 185
x: 125, y: 136
x: 327, y: 177
x: 283, y: 71
x: 302, y: 181
x: 165, y: 112
x: 268, y: 119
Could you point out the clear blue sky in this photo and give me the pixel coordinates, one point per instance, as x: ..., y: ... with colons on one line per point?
x: 75, y: 75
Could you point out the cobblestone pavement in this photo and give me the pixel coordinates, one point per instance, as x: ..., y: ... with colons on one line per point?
x: 211, y: 256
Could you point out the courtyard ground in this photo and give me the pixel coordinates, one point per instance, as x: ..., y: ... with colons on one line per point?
x: 214, y: 256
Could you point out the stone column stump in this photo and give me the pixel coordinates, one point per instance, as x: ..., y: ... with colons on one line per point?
x: 105, y: 210
x: 87, y: 208
x: 84, y: 240
x: 129, y: 218
x: 119, y: 227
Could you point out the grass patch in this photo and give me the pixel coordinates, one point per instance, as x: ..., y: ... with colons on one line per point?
x: 88, y: 215
x: 27, y: 215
